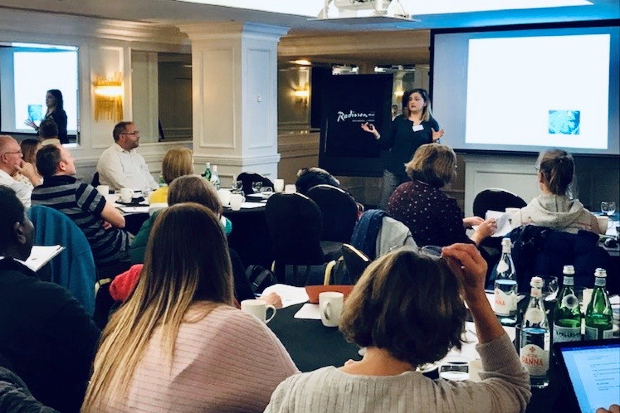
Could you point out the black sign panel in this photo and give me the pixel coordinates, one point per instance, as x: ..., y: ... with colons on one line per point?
x: 349, y: 101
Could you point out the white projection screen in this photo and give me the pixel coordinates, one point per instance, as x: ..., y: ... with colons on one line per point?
x: 526, y: 90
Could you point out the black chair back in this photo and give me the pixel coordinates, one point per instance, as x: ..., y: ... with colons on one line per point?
x: 496, y: 199
x: 248, y: 177
x: 294, y: 223
x: 339, y: 212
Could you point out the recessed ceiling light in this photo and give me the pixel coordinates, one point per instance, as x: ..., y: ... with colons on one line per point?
x: 302, y: 62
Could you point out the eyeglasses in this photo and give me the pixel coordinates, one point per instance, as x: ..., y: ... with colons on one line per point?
x: 12, y: 153
x: 134, y: 133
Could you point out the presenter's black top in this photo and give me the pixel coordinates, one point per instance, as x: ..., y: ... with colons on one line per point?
x: 402, y: 142
x: 60, y: 117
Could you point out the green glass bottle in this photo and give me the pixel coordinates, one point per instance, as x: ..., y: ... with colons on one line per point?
x: 207, y: 173
x: 599, y: 322
x: 567, y: 315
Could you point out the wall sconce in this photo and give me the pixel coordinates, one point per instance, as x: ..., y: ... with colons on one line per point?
x: 302, y: 94
x: 399, y: 93
x: 109, y: 98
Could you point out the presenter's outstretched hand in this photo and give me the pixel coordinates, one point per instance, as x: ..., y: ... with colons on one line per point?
x: 437, y: 134
x: 369, y: 127
x: 29, y: 122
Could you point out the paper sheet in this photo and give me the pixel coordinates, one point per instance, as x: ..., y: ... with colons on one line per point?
x: 309, y: 311
x: 250, y: 205
x: 503, y: 223
x: 41, y: 255
x: 134, y: 209
x: 290, y: 295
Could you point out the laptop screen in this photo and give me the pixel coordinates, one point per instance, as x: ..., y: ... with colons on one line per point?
x: 594, y: 372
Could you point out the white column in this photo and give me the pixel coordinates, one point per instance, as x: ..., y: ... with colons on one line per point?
x: 234, y: 72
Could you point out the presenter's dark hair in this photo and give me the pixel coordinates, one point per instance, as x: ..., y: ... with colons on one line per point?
x: 48, y: 159
x: 557, y: 170
x: 60, y: 103
x: 426, y: 111
x: 11, y: 211
x: 408, y: 304
x: 48, y: 129
x: 120, y: 128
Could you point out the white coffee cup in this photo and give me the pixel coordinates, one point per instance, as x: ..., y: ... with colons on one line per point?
x: 603, y: 223
x: 235, y: 201
x: 278, y: 185
x: 103, y: 189
x: 330, y: 307
x: 258, y: 308
x: 126, y: 195
x: 290, y: 189
x: 224, y: 195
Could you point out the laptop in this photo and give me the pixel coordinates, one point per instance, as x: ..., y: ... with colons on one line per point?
x: 592, y: 368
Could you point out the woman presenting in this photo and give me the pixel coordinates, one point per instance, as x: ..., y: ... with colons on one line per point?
x: 55, y: 111
x: 406, y: 134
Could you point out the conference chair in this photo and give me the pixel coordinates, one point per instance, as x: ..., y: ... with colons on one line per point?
x: 339, y: 212
x: 294, y: 223
x: 74, y: 267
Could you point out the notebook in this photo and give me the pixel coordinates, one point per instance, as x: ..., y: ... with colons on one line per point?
x: 593, y: 370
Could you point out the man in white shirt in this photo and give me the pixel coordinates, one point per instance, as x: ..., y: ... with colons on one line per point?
x: 120, y: 166
x: 11, y: 162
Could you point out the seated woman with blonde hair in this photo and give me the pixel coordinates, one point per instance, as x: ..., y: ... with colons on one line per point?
x: 407, y: 310
x: 433, y: 217
x: 177, y: 162
x: 178, y: 344
x: 554, y: 208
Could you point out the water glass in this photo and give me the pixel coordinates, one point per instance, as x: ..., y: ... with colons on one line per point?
x: 256, y: 187
x: 454, y: 369
x: 611, y: 208
x: 604, y: 207
x: 550, y: 288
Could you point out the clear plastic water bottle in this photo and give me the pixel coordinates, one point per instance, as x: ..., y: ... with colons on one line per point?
x: 506, y: 289
x: 215, y: 177
x: 567, y: 315
x: 599, y: 318
x: 535, y: 339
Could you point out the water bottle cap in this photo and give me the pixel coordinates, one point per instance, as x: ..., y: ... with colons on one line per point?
x: 537, y: 282
x: 600, y: 272
x: 506, y: 241
x: 569, y: 269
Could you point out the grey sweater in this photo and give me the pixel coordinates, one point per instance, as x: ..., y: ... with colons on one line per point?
x: 557, y: 212
x: 504, y: 388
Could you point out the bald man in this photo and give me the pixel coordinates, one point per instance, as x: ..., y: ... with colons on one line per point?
x: 11, y: 163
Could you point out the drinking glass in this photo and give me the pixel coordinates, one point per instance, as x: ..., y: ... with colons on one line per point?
x: 237, y: 187
x: 455, y: 369
x: 604, y: 207
x: 550, y: 288
x: 256, y: 186
x: 611, y: 208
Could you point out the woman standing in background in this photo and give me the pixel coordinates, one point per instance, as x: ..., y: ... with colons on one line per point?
x: 56, y: 112
x: 406, y: 134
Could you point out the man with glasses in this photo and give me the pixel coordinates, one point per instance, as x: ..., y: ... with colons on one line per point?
x: 11, y: 163
x: 120, y: 166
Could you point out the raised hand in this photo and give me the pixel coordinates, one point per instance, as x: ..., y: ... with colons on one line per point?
x: 437, y: 134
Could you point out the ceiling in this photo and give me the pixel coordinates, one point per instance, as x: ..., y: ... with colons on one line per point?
x: 175, y: 12
x: 171, y: 12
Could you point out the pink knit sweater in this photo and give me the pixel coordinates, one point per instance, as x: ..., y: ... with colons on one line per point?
x: 227, y: 362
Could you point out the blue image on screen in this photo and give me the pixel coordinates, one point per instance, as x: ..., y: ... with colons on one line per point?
x: 564, y: 122
x: 35, y: 112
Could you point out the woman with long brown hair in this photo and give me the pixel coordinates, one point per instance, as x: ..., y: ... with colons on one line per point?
x: 178, y: 344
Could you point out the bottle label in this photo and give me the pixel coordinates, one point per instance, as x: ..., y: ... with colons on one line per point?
x: 562, y: 334
x: 535, y: 360
x: 569, y: 280
x: 534, y: 315
x: 502, y: 266
x: 593, y: 333
x: 599, y: 282
x: 504, y: 303
x: 570, y: 301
